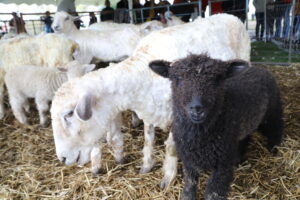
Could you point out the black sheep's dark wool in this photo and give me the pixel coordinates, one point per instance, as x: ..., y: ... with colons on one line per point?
x: 216, y: 106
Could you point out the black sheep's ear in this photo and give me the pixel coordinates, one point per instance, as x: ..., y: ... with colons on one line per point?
x: 160, y: 67
x: 236, y: 67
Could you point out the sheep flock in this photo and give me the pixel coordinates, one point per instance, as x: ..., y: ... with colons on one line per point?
x: 136, y: 162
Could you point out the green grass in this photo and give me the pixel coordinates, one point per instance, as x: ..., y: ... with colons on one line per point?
x: 269, y: 52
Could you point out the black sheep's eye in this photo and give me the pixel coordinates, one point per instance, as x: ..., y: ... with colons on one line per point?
x: 177, y: 81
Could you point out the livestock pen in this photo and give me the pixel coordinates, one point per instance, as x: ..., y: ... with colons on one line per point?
x: 31, y: 170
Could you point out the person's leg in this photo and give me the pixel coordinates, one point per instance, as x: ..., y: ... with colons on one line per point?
x: 262, y: 25
x: 278, y: 26
x: 286, y: 25
x: 257, y: 25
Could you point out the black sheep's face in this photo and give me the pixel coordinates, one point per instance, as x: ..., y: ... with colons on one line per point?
x: 195, y: 95
x: 197, y: 84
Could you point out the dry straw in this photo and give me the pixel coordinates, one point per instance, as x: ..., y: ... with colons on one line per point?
x: 29, y: 168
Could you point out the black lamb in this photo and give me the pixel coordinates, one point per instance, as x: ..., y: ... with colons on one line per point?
x: 216, y: 106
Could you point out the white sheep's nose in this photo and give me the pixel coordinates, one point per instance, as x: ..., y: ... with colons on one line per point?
x: 56, y: 28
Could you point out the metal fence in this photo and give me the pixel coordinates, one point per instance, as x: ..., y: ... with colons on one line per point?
x: 33, y: 23
x: 274, y: 29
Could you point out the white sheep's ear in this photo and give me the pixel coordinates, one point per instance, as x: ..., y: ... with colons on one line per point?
x: 89, y: 68
x: 236, y: 67
x: 160, y: 67
x: 83, y: 108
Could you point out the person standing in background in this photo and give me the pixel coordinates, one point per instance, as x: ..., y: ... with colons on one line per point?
x: 77, y: 21
x: 296, y: 31
x: 286, y: 21
x: 278, y: 15
x: 121, y: 12
x: 149, y: 14
x: 17, y: 23
x: 93, y: 18
x: 47, y: 21
x: 270, y: 19
x: 107, y: 13
x: 260, y: 18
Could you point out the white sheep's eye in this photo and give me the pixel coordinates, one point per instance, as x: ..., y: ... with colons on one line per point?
x: 67, y: 18
x: 68, y: 115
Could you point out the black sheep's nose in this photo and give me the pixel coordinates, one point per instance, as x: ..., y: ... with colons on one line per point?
x: 197, y: 109
x: 196, y: 105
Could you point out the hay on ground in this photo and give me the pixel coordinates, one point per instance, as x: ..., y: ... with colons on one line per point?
x: 29, y: 168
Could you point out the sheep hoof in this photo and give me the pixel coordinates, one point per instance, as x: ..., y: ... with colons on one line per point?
x: 97, y: 171
x: 122, y: 161
x: 215, y: 196
x: 164, y: 184
x: 43, y: 125
x: 135, y: 120
x: 273, y: 150
x: 144, y: 170
x: 136, y: 123
x: 27, y: 109
x: 25, y: 123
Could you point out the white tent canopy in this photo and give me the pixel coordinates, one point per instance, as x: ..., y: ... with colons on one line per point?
x: 51, y: 2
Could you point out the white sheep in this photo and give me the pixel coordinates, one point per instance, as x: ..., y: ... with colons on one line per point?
x: 13, y: 35
x: 40, y: 83
x: 105, y: 46
x: 143, y: 29
x: 91, y: 103
x: 48, y: 50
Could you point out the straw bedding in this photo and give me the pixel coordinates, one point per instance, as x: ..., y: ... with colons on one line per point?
x: 29, y: 168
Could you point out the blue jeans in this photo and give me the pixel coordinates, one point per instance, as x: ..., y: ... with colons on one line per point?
x: 286, y: 22
x: 48, y: 29
x: 278, y: 26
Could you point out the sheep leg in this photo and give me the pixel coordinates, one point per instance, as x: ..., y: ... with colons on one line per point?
x: 189, y: 191
x: 2, y: 110
x: 96, y: 155
x: 116, y: 140
x: 148, y: 160
x: 16, y: 103
x: 135, y: 120
x: 218, y: 184
x: 26, y: 106
x: 272, y: 128
x: 243, y: 144
x: 170, y: 162
x: 43, y: 107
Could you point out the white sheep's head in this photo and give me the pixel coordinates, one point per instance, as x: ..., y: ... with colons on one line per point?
x: 63, y: 22
x: 75, y: 127
x: 172, y: 19
x: 151, y: 26
x: 74, y: 69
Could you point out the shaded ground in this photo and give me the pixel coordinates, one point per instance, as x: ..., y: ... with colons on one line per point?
x: 29, y: 168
